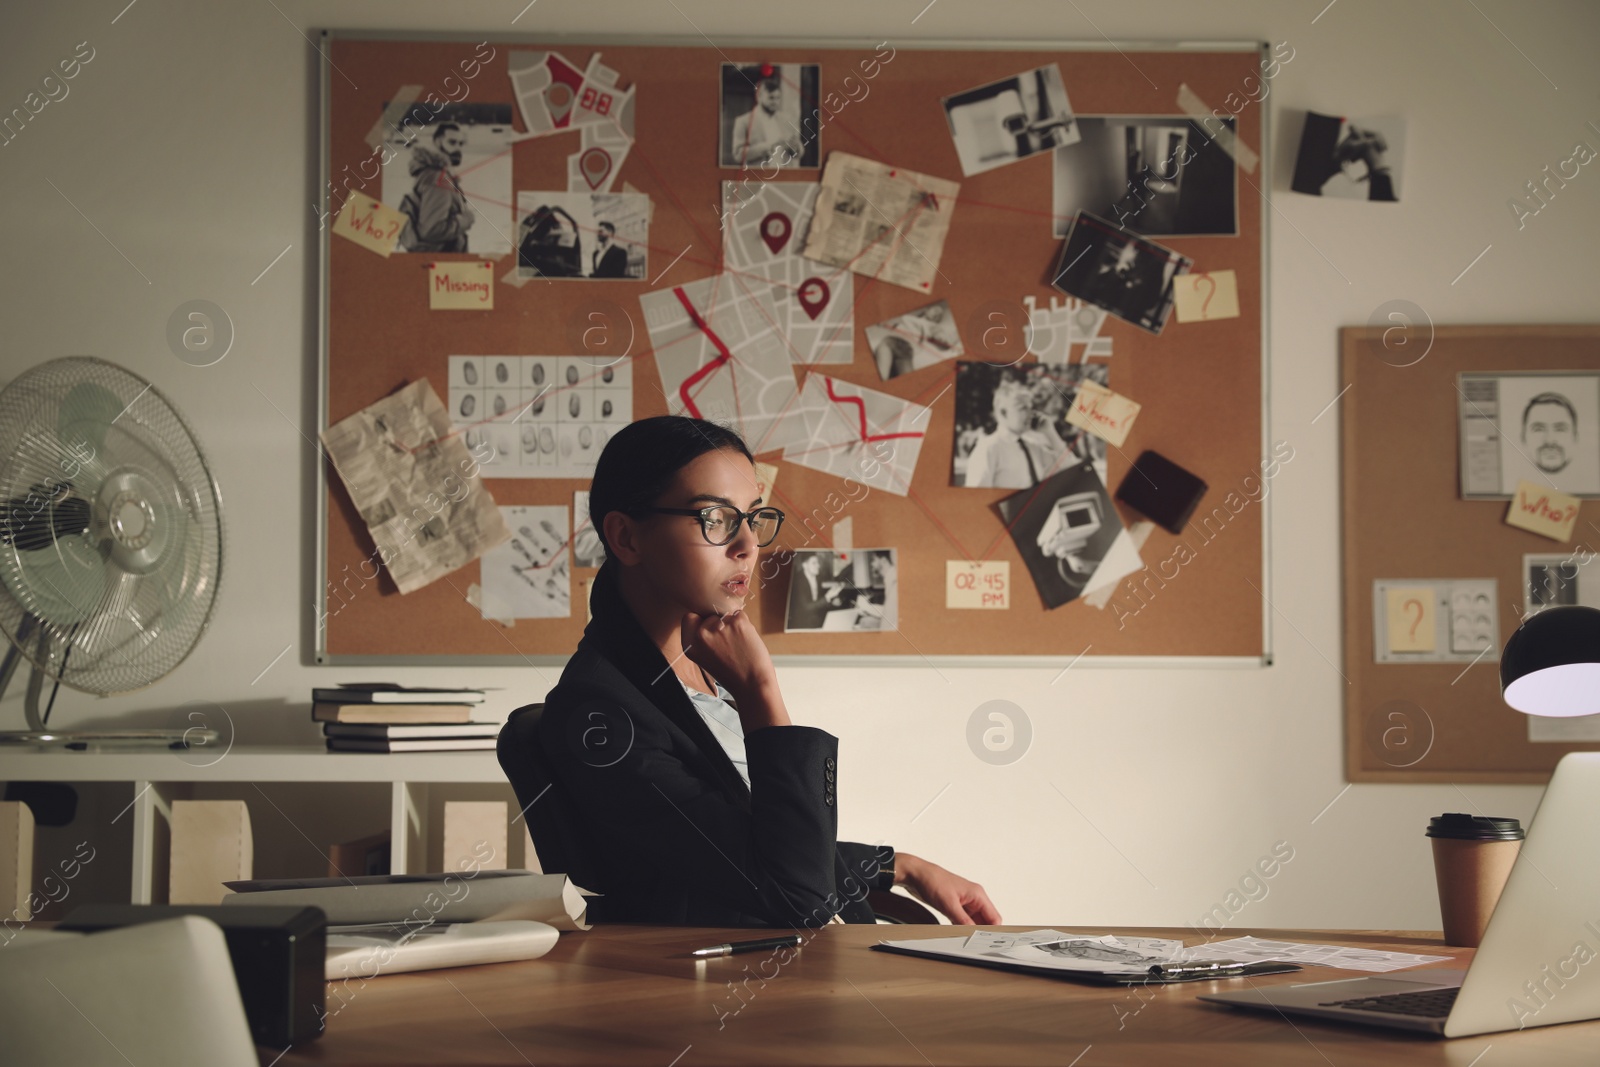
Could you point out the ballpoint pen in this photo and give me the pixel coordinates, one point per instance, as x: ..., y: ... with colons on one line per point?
x: 735, y: 947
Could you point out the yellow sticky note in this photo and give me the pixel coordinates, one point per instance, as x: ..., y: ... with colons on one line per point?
x: 1102, y: 412
x: 1206, y: 295
x: 461, y: 286
x: 1411, y: 619
x: 1543, y: 511
x: 369, y: 223
x: 977, y: 584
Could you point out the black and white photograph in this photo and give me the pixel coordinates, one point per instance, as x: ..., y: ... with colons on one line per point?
x: 1560, y: 580
x: 1160, y: 176
x: 919, y: 338
x: 1011, y: 428
x: 1543, y: 429
x: 1357, y: 160
x: 449, y: 173
x: 1063, y: 529
x: 582, y: 235
x: 851, y: 591
x: 1011, y: 119
x: 760, y: 123
x: 587, y: 551
x: 1115, y: 269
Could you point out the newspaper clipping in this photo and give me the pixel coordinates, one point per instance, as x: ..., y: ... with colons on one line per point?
x: 416, y: 486
x: 881, y: 221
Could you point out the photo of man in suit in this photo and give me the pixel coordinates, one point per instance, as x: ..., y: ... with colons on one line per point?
x: 609, y: 260
x: 812, y: 594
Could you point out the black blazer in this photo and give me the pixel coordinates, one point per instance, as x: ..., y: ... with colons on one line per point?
x: 612, y: 263
x: 675, y: 834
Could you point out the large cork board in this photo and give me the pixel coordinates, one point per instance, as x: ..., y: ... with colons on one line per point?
x: 1201, y: 384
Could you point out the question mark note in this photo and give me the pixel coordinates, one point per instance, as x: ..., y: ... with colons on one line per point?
x: 369, y: 223
x: 1412, y: 620
x: 1206, y: 295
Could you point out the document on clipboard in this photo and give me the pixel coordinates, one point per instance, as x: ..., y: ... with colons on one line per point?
x: 1104, y: 960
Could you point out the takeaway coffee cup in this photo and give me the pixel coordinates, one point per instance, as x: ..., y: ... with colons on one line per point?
x: 1472, y: 857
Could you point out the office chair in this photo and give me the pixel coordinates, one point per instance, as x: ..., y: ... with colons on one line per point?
x: 552, y: 825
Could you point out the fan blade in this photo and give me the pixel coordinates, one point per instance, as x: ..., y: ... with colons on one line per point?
x: 31, y: 528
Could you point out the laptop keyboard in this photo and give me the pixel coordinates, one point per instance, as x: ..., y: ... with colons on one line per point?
x: 1429, y: 1003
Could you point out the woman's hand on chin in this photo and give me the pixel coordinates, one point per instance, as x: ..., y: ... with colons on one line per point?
x: 729, y: 647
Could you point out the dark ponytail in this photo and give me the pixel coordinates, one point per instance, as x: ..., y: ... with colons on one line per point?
x: 641, y: 460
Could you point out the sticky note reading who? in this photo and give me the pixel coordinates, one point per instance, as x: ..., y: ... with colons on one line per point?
x: 1102, y: 412
x: 369, y: 223
x: 977, y: 584
x: 1207, y: 295
x: 1543, y: 511
x: 1411, y: 619
x: 461, y: 286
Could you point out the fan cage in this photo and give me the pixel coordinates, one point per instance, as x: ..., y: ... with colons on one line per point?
x: 75, y: 608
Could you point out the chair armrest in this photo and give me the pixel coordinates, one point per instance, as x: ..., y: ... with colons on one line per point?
x: 897, y: 908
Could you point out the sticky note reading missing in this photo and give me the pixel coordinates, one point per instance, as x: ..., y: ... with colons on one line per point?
x: 1412, y: 619
x: 369, y: 224
x: 977, y: 584
x: 1102, y: 412
x: 467, y: 286
x: 1207, y: 295
x: 1543, y: 511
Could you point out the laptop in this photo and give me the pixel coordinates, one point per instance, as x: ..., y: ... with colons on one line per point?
x: 1539, y: 962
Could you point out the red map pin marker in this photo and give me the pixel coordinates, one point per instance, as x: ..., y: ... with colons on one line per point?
x: 814, y: 294
x: 594, y: 165
x: 775, y: 230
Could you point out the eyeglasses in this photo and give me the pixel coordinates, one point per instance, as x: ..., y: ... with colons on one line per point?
x: 720, y: 522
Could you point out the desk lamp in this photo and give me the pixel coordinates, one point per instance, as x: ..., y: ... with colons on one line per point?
x: 1551, y: 665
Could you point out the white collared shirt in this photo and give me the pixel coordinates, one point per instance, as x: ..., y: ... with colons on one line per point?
x: 722, y: 716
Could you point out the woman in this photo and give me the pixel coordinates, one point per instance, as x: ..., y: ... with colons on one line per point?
x: 702, y: 803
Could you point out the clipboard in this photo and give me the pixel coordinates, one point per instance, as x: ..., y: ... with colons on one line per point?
x: 1160, y: 974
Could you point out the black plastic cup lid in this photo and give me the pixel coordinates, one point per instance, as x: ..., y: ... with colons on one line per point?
x: 1462, y: 827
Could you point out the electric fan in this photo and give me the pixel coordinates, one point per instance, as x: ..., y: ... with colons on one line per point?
x: 110, y: 539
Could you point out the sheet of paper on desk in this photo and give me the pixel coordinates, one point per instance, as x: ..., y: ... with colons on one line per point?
x: 1102, y: 954
x: 1067, y: 952
x: 1254, y: 949
x: 415, y: 485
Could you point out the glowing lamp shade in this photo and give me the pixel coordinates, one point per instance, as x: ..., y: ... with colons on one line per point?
x: 1551, y: 665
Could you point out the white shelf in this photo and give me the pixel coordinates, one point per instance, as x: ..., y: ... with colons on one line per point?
x: 258, y: 763
x: 158, y: 776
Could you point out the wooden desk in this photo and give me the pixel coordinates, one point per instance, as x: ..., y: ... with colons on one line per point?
x: 623, y: 994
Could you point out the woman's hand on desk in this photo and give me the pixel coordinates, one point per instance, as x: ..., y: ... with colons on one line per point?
x: 962, y: 901
x: 731, y: 651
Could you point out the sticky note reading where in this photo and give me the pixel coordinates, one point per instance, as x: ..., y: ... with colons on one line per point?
x: 369, y: 223
x: 1102, y: 412
x: 461, y: 286
x: 981, y: 584
x: 1207, y: 295
x: 1543, y: 511
x: 1411, y: 619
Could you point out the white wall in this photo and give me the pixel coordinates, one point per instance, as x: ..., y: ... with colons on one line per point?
x: 187, y: 144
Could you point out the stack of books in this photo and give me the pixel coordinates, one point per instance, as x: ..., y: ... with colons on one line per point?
x: 384, y: 717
